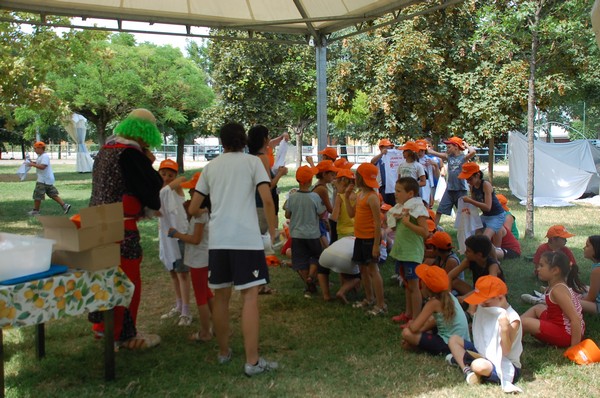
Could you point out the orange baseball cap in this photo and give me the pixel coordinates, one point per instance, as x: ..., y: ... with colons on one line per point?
x: 304, y: 174
x: 455, y: 141
x: 345, y: 173
x: 343, y: 163
x: 325, y: 165
x: 410, y: 146
x: 431, y: 225
x: 329, y: 152
x: 39, y: 144
x: 558, y: 231
x: 434, y: 277
x: 441, y: 240
x: 385, y: 142
x: 468, y: 169
x: 503, y: 201
x: 431, y: 214
x: 169, y: 164
x: 369, y: 172
x: 191, y: 183
x: 487, y: 287
x: 422, y: 144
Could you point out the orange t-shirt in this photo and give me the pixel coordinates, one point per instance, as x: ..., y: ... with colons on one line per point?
x: 364, y: 225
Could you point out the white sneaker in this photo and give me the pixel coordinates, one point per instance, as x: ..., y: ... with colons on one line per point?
x: 33, y: 212
x: 533, y: 300
x: 173, y: 312
x: 185, y: 320
x: 66, y: 207
x: 472, y: 378
x: 262, y: 366
x: 450, y: 360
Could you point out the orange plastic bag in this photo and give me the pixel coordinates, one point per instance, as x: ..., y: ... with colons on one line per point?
x: 272, y: 261
x: 584, y: 353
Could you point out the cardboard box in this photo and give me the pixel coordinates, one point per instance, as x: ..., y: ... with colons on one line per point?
x: 94, y: 259
x: 100, y: 225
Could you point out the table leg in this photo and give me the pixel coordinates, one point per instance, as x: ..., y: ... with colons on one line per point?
x: 1, y: 364
x: 109, y: 344
x: 40, y: 341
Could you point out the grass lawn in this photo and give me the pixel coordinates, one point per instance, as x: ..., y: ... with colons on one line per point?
x: 324, y: 349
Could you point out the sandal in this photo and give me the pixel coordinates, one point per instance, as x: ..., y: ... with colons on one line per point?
x: 141, y: 342
x: 196, y: 337
x: 402, y: 318
x: 375, y: 311
x: 363, y: 304
x: 265, y: 289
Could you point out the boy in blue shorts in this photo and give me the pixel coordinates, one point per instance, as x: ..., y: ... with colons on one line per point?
x: 304, y: 209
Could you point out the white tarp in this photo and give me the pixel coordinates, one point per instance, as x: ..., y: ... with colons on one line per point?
x: 562, y: 171
x: 76, y: 126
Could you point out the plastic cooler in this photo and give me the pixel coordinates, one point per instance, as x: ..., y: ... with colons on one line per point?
x: 23, y: 255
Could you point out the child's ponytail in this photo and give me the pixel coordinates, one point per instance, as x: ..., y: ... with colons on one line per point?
x: 448, y: 310
x: 573, y: 280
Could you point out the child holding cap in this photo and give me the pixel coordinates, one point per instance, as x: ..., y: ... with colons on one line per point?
x: 305, y: 209
x: 456, y: 188
x: 172, y: 219
x: 196, y: 258
x: 495, y: 354
x: 367, y: 230
x: 440, y: 318
x: 45, y: 180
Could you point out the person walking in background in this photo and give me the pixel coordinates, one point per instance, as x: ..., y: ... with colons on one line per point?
x: 45, y: 180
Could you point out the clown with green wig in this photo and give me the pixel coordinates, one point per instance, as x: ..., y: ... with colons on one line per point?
x: 123, y: 172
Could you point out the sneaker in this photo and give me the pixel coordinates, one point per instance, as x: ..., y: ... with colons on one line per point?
x: 185, y: 320
x: 472, y: 378
x: 223, y: 359
x: 533, y: 300
x: 307, y: 294
x: 173, y: 312
x: 33, y: 212
x: 395, y: 277
x: 261, y: 366
x: 66, y: 208
x: 538, y: 294
x: 450, y: 360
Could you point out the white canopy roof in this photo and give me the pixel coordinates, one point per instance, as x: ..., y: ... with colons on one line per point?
x: 303, y: 17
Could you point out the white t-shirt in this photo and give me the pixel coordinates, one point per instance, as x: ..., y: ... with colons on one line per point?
x: 231, y: 180
x: 414, y: 170
x: 196, y: 256
x: 45, y: 176
x: 172, y: 216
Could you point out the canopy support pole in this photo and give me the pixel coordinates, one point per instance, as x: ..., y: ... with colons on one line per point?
x: 321, y: 56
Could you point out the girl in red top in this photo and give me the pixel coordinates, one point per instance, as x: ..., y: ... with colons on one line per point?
x: 367, y: 230
x: 559, y: 322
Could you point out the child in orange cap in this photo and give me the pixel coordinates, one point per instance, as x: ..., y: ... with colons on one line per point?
x: 196, y: 258
x: 455, y: 188
x: 173, y: 218
x: 448, y: 317
x: 343, y: 222
x: 326, y: 173
x: 494, y: 356
x: 305, y: 209
x: 367, y: 230
x: 510, y: 222
x: 387, y: 161
x: 411, y: 167
x: 445, y: 257
x: 557, y: 240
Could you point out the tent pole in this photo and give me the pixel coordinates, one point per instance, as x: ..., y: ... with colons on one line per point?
x: 321, y: 56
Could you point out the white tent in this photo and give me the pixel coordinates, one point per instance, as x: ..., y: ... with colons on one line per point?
x: 563, y: 171
x: 76, y: 126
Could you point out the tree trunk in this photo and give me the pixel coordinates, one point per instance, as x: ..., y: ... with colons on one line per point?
x: 491, y: 159
x: 180, y: 144
x: 531, y: 100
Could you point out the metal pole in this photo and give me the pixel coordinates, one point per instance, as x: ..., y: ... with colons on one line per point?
x: 321, y: 55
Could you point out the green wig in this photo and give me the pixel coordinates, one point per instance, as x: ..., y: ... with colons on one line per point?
x: 139, y: 128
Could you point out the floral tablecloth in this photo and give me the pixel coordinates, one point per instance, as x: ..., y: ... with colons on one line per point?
x: 72, y: 293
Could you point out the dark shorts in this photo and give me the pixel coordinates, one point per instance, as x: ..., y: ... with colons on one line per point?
x: 450, y: 200
x: 493, y: 377
x: 409, y: 268
x: 41, y: 190
x: 241, y: 269
x: 305, y: 252
x: 433, y: 344
x: 363, y: 252
x: 510, y: 253
x: 178, y: 265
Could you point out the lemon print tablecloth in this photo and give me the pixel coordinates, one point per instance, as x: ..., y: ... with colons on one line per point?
x: 72, y: 293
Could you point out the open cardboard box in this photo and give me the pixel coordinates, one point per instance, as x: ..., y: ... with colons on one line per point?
x: 100, y: 225
x: 94, y: 259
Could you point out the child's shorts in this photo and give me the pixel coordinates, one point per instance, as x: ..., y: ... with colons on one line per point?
x: 409, y: 268
x: 241, y: 269
x: 551, y: 333
x: 495, y: 223
x: 41, y: 190
x: 450, y: 200
x: 178, y: 265
x: 323, y: 227
x: 363, y: 252
x: 493, y: 377
x: 433, y: 344
x: 305, y: 252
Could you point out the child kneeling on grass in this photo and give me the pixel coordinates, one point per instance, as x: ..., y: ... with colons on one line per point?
x: 442, y: 312
x: 495, y: 354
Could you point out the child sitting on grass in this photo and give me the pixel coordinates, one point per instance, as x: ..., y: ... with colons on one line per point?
x: 494, y: 356
x: 591, y: 251
x: 444, y: 256
x: 305, y: 209
x: 559, y: 321
x: 440, y: 318
x: 557, y: 240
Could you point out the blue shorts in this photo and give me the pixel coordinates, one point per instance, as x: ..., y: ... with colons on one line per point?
x: 433, y: 344
x: 495, y: 223
x: 409, y: 269
x: 178, y: 265
x: 450, y: 200
x: 322, y: 227
x: 241, y: 269
x: 493, y: 377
